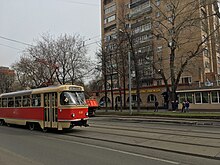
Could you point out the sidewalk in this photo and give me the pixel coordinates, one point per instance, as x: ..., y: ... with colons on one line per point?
x: 165, y: 116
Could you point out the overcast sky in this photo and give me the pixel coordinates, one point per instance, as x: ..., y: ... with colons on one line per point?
x: 27, y: 20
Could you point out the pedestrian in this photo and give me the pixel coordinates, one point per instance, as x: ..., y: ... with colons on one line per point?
x: 156, y: 104
x: 116, y: 106
x: 176, y: 104
x: 173, y: 105
x: 183, y: 106
x: 187, y: 106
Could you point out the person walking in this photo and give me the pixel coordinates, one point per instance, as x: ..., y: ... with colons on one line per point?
x: 187, y: 106
x: 116, y: 106
x: 183, y: 107
x: 156, y: 104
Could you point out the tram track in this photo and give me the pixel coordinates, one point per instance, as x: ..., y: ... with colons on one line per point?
x: 153, y: 139
x: 158, y: 130
x: 179, y: 141
x: 99, y: 139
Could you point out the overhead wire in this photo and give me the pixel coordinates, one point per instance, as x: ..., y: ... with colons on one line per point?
x: 27, y: 44
x: 11, y: 47
x: 13, y: 40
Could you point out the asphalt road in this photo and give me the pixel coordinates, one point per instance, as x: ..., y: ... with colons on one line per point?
x: 108, y: 141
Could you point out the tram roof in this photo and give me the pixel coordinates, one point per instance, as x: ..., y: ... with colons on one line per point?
x: 49, y: 89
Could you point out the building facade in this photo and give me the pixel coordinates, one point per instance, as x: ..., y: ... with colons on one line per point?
x: 167, y: 41
x: 7, y: 77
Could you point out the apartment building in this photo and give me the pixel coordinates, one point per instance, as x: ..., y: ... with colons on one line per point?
x: 7, y: 77
x: 154, y: 31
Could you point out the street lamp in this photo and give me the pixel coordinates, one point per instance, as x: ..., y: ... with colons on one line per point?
x: 129, y: 81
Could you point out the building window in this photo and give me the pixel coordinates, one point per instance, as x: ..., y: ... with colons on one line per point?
x: 215, y: 96
x: 157, y: 14
x: 107, y: 2
x: 170, y: 19
x: 158, y: 2
x: 110, y: 19
x: 142, y: 28
x: 205, y: 97
x: 159, y: 49
x: 110, y: 9
x: 151, y: 98
x: 186, y: 80
x: 140, y: 8
x: 198, y: 97
x: 189, y: 97
x: 207, y: 64
x: 202, y: 97
x: 159, y: 82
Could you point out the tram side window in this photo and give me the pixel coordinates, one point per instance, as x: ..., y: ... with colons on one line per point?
x: 11, y: 102
x: 26, y: 101
x: 36, y: 100
x: 0, y: 102
x: 18, y: 101
x: 4, y: 102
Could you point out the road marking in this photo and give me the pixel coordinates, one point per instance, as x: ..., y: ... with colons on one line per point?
x: 115, y: 150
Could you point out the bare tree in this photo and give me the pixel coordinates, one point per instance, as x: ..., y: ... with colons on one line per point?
x: 72, y: 61
x: 178, y: 26
x: 62, y: 60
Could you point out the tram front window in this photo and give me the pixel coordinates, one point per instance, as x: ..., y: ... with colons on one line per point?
x: 72, y: 98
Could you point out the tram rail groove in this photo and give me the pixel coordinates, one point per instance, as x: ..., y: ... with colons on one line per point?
x: 141, y: 146
x: 155, y: 139
x: 176, y: 134
x: 186, y: 121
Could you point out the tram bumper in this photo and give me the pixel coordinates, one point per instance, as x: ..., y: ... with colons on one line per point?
x: 81, y: 122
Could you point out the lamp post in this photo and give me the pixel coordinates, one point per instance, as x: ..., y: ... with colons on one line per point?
x: 129, y: 81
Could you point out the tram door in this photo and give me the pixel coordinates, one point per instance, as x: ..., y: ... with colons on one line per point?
x: 50, y: 110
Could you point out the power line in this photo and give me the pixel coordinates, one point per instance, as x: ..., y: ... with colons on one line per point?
x: 20, y: 42
x: 13, y: 40
x: 10, y: 47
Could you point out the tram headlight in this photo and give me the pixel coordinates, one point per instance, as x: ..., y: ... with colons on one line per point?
x: 87, y: 113
x: 73, y: 115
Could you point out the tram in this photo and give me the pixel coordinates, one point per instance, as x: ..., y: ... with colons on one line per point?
x: 57, y: 107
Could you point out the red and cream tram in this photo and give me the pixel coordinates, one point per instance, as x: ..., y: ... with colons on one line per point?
x: 55, y: 107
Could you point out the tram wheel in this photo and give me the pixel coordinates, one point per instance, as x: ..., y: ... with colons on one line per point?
x: 44, y: 130
x: 1, y: 122
x: 31, y: 126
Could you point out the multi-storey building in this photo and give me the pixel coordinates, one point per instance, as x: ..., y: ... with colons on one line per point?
x: 154, y: 31
x: 6, y: 79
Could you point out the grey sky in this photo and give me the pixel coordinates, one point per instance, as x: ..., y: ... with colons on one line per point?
x: 27, y: 20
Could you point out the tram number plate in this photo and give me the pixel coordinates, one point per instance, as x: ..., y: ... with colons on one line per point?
x: 80, y: 112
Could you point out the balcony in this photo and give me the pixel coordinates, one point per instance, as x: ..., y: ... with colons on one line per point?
x: 147, y: 10
x: 144, y: 21
x: 136, y: 3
